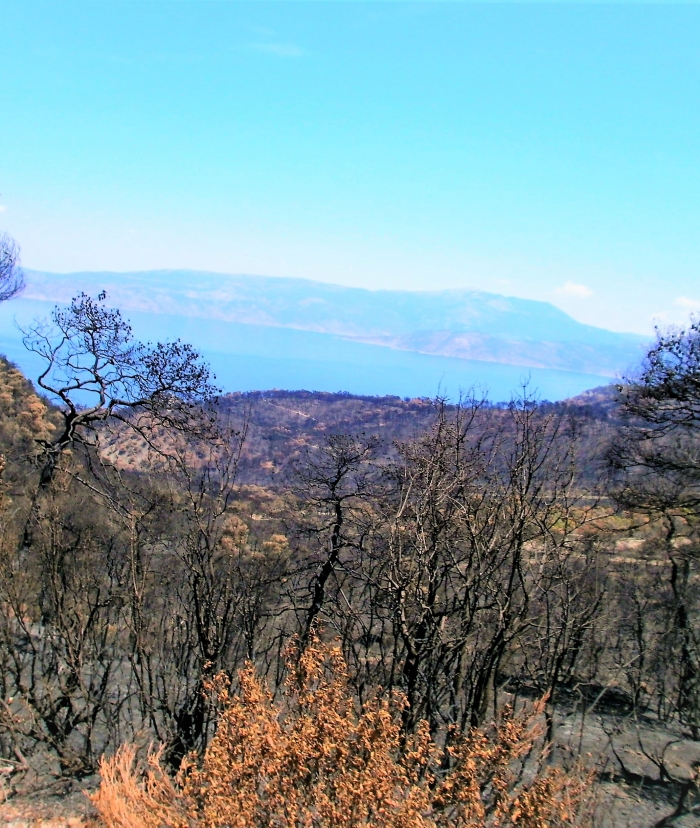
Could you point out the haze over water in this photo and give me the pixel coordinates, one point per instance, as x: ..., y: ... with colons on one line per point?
x: 538, y: 151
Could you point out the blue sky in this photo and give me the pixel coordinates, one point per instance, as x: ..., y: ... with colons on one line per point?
x: 549, y: 151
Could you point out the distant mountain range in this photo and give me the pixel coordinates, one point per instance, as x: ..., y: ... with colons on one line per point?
x: 431, y: 338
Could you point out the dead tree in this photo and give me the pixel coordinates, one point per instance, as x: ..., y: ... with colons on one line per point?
x: 479, y: 504
x: 656, y: 455
x: 98, y: 373
x: 11, y: 275
x: 332, y: 484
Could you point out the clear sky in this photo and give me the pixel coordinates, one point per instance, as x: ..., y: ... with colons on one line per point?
x: 550, y: 151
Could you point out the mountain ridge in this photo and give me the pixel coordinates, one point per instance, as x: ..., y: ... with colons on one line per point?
x: 456, y: 323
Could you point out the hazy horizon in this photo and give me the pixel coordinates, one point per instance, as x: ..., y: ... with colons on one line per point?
x: 97, y: 284
x: 261, y: 332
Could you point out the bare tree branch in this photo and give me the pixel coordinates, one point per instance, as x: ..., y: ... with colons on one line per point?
x: 11, y: 275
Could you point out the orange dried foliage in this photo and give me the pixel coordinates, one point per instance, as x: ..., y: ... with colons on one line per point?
x: 316, y: 762
x: 138, y: 797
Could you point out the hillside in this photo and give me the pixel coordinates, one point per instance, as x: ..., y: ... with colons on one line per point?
x: 164, y: 575
x: 282, y: 427
x: 24, y: 419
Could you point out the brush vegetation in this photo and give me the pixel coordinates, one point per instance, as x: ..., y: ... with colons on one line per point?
x: 330, y: 610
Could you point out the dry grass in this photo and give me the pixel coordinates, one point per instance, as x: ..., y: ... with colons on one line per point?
x: 315, y: 761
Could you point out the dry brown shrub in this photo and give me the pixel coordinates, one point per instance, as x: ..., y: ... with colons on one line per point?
x: 131, y: 795
x: 314, y: 761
